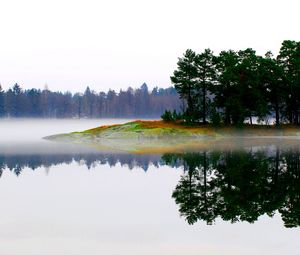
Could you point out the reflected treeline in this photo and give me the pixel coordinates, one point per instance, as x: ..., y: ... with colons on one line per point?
x: 234, y: 185
x: 238, y: 185
x: 16, y: 163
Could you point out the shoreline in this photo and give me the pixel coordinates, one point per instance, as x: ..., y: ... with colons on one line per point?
x: 160, y: 136
x: 161, y: 129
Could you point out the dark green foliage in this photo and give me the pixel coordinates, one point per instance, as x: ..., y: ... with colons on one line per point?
x: 193, y: 80
x: 272, y: 84
x: 289, y: 61
x: 226, y: 90
x: 238, y: 185
x: 194, y: 192
x: 184, y: 81
x: 167, y: 116
x: 241, y: 85
x: 206, y: 76
x: 215, y: 117
x: 172, y: 116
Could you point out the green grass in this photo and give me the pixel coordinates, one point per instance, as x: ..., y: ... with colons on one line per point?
x: 162, y: 137
x: 167, y: 130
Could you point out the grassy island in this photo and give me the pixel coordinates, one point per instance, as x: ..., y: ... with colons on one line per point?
x: 160, y: 136
x: 169, y: 130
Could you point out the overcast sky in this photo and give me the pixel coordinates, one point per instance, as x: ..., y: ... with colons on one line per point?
x: 119, y: 43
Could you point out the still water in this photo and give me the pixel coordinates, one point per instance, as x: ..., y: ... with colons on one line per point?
x: 65, y: 199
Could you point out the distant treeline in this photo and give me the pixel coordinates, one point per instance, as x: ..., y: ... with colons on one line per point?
x: 234, y: 86
x: 130, y: 103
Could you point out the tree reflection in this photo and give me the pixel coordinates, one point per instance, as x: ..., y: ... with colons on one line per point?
x: 195, y: 192
x: 290, y: 208
x: 238, y: 185
x: 234, y: 185
x: 16, y: 163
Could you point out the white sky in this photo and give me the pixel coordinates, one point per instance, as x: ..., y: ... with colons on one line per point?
x: 121, y: 43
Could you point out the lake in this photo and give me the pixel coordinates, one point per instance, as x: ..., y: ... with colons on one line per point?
x: 71, y: 199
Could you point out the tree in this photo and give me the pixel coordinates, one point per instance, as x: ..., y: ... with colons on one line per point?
x: 32, y: 98
x: 289, y: 60
x: 184, y: 80
x: 238, y: 90
x: 2, y: 102
x: 195, y: 192
x: 205, y: 78
x: 272, y: 84
x: 251, y: 96
x: 44, y: 102
x: 226, y: 89
x: 78, y: 104
x: 132, y: 103
x: 17, y: 100
x: 238, y: 185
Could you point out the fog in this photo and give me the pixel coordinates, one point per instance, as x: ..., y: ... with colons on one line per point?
x: 65, y: 202
x: 25, y: 136
x: 33, y: 130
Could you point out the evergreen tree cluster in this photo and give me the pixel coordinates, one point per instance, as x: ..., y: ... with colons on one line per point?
x: 235, y: 86
x: 130, y: 103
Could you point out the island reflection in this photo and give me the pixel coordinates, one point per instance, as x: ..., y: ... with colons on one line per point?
x: 238, y: 185
x: 233, y: 184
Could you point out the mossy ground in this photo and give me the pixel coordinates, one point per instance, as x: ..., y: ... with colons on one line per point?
x: 150, y: 129
x: 162, y: 128
x: 160, y: 136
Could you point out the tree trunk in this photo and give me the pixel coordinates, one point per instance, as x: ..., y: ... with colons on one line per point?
x: 277, y: 111
x: 297, y: 115
x: 204, y: 103
x: 227, y: 120
x: 79, y: 108
x: 190, y: 107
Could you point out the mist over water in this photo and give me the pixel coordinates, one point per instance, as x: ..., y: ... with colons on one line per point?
x: 25, y: 136
x: 33, y: 130
x: 71, y: 199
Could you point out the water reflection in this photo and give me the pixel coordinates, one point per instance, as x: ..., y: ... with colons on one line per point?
x: 233, y: 184
x: 238, y: 185
x: 16, y: 163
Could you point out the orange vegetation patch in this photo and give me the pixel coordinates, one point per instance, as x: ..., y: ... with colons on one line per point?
x: 158, y: 124
x: 196, y: 128
x: 101, y: 128
x: 208, y: 129
x: 166, y: 124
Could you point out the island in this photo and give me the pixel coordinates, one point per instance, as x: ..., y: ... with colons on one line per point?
x: 160, y: 136
x: 235, y: 95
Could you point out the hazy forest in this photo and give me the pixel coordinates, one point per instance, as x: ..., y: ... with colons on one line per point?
x: 230, y: 88
x: 130, y: 103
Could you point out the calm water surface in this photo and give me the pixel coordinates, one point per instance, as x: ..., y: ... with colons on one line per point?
x: 65, y: 199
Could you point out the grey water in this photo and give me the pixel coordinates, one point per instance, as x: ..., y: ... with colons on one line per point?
x: 67, y: 199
